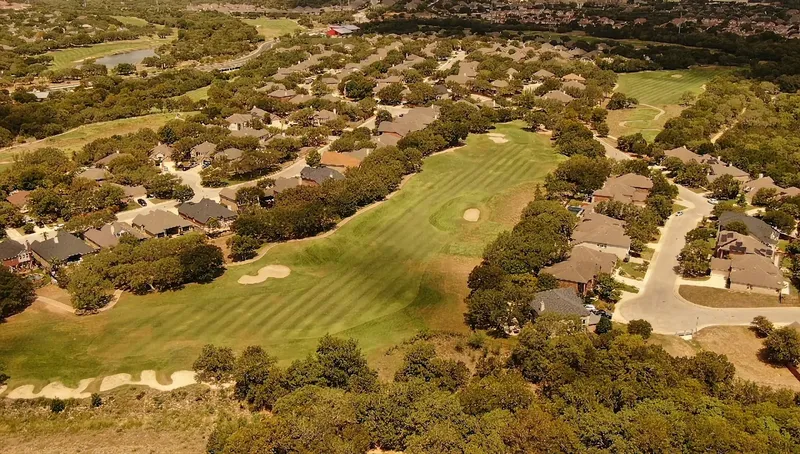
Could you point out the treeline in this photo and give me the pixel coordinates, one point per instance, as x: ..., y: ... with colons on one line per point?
x: 207, y: 35
x: 110, y: 98
x: 601, y: 393
x: 308, y: 210
x: 156, y: 264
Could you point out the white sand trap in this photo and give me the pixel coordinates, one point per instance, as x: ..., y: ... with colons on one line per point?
x: 52, y: 391
x: 472, y: 215
x: 274, y: 271
x: 180, y: 379
x: 496, y: 137
x: 676, y: 76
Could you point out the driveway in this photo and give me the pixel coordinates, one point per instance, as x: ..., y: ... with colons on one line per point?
x: 658, y: 301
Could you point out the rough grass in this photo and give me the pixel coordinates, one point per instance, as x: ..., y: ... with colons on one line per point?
x: 272, y: 28
x: 68, y: 58
x: 131, y: 20
x: 75, y: 139
x: 660, y: 89
x: 381, y: 277
x: 197, y: 95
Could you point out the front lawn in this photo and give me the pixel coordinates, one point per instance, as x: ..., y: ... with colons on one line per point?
x: 717, y: 297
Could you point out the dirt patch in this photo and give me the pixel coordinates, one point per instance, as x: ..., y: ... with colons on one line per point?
x: 269, y: 271
x: 55, y: 292
x: 673, y: 345
x: 742, y: 348
x: 496, y: 137
x: 472, y: 215
x: 717, y: 297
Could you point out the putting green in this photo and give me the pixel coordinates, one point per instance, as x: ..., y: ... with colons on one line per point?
x: 396, y: 268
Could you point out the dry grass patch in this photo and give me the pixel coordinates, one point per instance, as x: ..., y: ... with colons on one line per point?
x: 717, y: 297
x: 742, y: 348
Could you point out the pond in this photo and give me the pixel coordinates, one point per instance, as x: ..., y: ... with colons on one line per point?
x: 133, y: 57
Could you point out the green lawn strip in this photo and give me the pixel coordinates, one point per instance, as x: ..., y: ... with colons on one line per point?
x: 677, y: 207
x: 718, y: 297
x: 634, y: 270
x: 272, y: 28
x: 196, y: 95
x: 131, y: 20
x: 380, y: 278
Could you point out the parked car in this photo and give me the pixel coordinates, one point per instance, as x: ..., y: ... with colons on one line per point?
x: 713, y: 201
x: 679, y: 213
x: 590, y: 307
x: 141, y: 202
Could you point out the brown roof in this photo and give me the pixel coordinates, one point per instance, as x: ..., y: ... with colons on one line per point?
x: 717, y: 170
x: 599, y: 229
x: 558, y: 95
x: 332, y: 159
x: 108, y: 235
x: 736, y: 243
x: 159, y: 221
x: 684, y: 154
x: 18, y: 198
x: 583, y: 265
x: 756, y: 271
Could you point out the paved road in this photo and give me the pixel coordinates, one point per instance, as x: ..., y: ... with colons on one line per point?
x: 658, y: 301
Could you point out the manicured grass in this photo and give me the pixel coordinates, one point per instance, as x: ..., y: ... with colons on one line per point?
x: 75, y: 139
x: 272, y: 28
x: 677, y: 207
x: 634, y: 270
x: 656, y: 91
x: 660, y: 88
x: 390, y: 271
x: 68, y: 58
x: 717, y: 297
x: 197, y: 95
x: 131, y: 20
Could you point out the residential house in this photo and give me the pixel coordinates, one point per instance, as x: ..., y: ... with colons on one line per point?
x: 227, y: 196
x: 160, y: 224
x: 282, y: 94
x: 602, y: 233
x: 239, y: 121
x: 160, y: 153
x: 203, y: 152
x: 558, y: 95
x: 543, y: 74
x: 414, y: 120
x: 323, y: 116
x: 628, y: 188
x: 202, y: 212
x: 580, y: 271
x: 19, y: 199
x: 95, y: 174
x: 750, y: 273
x: 108, y: 235
x: 105, y: 162
x: 15, y: 255
x: 563, y: 301
x: 762, y: 182
x: 573, y: 84
x: 131, y: 192
x: 62, y: 249
x: 719, y: 169
x: 572, y: 77
x: 685, y: 155
x: 733, y: 243
x: 339, y: 161
x: 229, y: 154
x: 756, y: 228
x: 315, y: 176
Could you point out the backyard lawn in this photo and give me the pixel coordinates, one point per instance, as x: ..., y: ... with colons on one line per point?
x: 68, y: 58
x: 272, y: 28
x: 397, y: 268
x: 658, y: 93
x: 75, y: 139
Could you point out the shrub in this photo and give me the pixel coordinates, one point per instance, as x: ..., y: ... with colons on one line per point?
x: 783, y: 346
x: 603, y: 326
x: 57, y: 405
x: 640, y: 327
x: 762, y: 326
x: 477, y: 340
x: 96, y: 400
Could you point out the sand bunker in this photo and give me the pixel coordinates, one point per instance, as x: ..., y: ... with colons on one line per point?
x: 472, y: 215
x: 180, y: 379
x: 52, y: 391
x: 275, y: 271
x: 676, y: 76
x: 58, y: 390
x: 496, y: 137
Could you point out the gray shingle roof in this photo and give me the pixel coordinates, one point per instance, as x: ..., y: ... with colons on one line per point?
x: 10, y: 249
x: 61, y: 247
x: 204, y: 210
x: 755, y: 227
x: 561, y: 301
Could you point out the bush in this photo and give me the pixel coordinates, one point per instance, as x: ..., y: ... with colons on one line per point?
x: 96, y: 400
x: 603, y: 326
x: 477, y: 340
x: 57, y: 405
x: 762, y: 326
x: 640, y: 327
x: 27, y: 228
